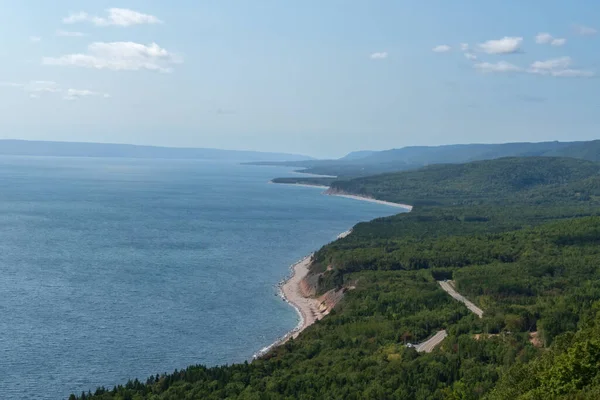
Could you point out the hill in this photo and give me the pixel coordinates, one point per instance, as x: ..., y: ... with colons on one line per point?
x: 533, y: 266
x: 358, y: 155
x: 73, y: 149
x: 472, y: 183
x: 415, y: 157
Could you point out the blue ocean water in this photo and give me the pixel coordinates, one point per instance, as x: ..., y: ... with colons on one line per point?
x: 113, y: 269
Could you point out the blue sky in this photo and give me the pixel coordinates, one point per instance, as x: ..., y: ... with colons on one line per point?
x: 316, y: 77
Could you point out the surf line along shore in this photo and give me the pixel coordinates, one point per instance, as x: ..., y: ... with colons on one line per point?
x: 329, y: 192
x: 310, y: 309
x: 291, y: 292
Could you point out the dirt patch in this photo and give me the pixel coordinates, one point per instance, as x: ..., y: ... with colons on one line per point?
x: 535, y: 340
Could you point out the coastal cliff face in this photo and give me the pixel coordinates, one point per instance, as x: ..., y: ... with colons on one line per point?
x: 330, y: 299
x: 309, y: 286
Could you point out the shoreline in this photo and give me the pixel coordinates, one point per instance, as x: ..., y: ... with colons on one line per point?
x: 372, y: 200
x: 290, y: 289
x: 349, y: 196
x: 301, y: 185
x: 307, y: 308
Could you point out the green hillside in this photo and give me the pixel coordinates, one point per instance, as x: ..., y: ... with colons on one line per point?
x: 533, y: 266
x: 506, y: 179
x: 409, y: 158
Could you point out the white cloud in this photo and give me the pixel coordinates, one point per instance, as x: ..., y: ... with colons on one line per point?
x: 35, y: 39
x: 35, y: 89
x: 75, y: 94
x: 557, y: 63
x: 69, y: 33
x: 443, y: 48
x: 470, y: 56
x: 501, y: 66
x: 116, y: 17
x: 464, y: 46
x: 585, y: 30
x: 546, y: 38
x: 506, y: 45
x: 119, y: 56
x: 543, y: 38
x: 379, y: 55
x: 559, y: 67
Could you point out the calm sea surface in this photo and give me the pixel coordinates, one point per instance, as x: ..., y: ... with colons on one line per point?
x: 113, y: 269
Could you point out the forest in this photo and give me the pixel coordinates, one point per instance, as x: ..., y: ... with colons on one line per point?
x: 518, y: 236
x: 368, y: 163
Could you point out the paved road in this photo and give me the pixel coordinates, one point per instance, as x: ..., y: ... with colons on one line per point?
x: 450, y: 290
x: 430, y: 344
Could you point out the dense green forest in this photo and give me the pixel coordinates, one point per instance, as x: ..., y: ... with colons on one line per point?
x: 520, y: 237
x: 513, y: 180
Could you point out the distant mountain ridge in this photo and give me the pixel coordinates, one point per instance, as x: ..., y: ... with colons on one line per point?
x: 414, y: 157
x: 358, y: 155
x: 81, y: 149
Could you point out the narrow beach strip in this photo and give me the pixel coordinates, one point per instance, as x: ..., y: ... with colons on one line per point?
x: 290, y: 289
x: 372, y: 200
x: 301, y: 185
x: 307, y: 308
x: 344, y: 234
x: 349, y: 196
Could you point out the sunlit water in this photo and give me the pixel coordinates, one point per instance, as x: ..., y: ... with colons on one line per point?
x: 113, y: 269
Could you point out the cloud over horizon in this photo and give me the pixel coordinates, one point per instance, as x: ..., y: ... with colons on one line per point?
x: 116, y: 17
x: 546, y: 38
x: 442, y: 48
x: 506, y: 45
x: 559, y: 67
x: 119, y: 56
x: 62, y: 33
x: 382, y: 55
x: 35, y: 90
x: 500, y: 66
x: 585, y: 30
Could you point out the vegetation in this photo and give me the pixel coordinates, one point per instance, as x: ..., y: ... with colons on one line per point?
x: 305, y: 181
x: 519, y: 237
x: 513, y: 180
x: 410, y: 158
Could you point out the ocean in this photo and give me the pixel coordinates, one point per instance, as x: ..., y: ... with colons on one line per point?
x: 115, y: 269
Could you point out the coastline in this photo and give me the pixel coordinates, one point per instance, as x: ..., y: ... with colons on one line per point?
x: 349, y: 196
x: 301, y: 185
x: 372, y: 200
x: 290, y: 289
x: 306, y: 307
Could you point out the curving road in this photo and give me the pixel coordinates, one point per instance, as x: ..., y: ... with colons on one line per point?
x: 450, y: 290
x: 430, y: 344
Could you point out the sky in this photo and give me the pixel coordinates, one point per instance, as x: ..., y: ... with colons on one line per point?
x: 321, y: 78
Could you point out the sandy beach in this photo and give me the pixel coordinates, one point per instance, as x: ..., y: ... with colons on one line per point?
x: 302, y: 185
x: 371, y: 200
x: 351, y: 196
x: 344, y: 234
x: 291, y: 289
x: 306, y: 307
